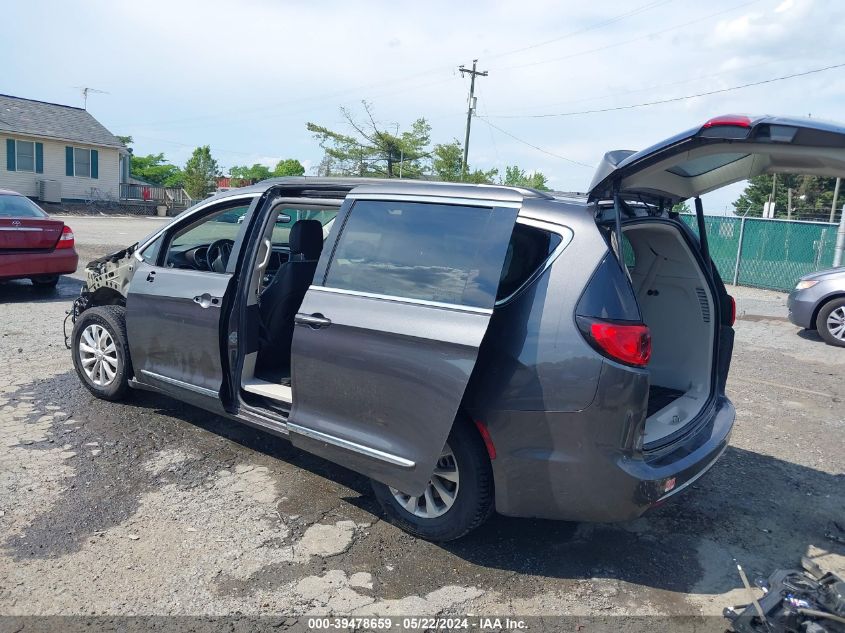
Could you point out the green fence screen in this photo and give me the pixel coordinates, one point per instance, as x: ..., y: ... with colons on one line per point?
x: 767, y: 253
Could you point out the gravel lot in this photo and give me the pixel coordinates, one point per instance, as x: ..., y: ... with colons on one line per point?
x: 154, y: 507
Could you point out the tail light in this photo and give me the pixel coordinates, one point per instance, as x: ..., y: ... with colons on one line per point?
x: 733, y: 310
x: 66, y: 240
x: 628, y: 343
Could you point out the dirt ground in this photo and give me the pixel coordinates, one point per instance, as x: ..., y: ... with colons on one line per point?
x: 154, y: 507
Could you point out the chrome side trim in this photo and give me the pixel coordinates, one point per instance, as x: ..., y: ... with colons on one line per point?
x: 467, y: 202
x: 420, y: 302
x: 180, y: 383
x: 395, y: 460
x: 31, y: 229
x: 565, y: 234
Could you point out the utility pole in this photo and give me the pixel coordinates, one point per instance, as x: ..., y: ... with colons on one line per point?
x: 471, y: 108
x: 835, y: 199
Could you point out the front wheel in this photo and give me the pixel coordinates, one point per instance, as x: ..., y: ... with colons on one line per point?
x: 458, y: 497
x: 101, y: 352
x: 830, y: 322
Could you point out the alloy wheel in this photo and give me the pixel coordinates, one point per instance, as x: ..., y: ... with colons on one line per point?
x: 836, y: 323
x: 98, y: 355
x: 440, y: 493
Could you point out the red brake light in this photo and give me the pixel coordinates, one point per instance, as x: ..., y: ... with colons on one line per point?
x: 735, y: 120
x: 629, y: 344
x: 733, y: 310
x: 66, y: 240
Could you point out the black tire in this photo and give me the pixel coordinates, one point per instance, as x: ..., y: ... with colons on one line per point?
x: 47, y: 282
x: 473, y: 503
x: 822, y: 325
x: 113, y: 320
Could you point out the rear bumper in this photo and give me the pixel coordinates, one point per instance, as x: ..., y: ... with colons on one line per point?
x: 570, y: 466
x: 23, y: 265
x: 801, y: 309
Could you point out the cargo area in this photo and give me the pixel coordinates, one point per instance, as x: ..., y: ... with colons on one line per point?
x: 678, y: 307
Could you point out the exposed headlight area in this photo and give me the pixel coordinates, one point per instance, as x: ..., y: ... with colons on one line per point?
x: 807, y: 283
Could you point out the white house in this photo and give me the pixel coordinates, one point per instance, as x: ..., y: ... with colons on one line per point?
x: 42, y: 141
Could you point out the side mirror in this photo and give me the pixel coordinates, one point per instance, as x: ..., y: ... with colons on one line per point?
x: 283, y: 219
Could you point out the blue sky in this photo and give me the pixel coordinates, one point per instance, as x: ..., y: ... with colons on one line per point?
x: 246, y: 77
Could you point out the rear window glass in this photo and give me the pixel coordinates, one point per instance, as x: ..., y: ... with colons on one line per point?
x: 528, y: 248
x: 609, y: 294
x: 19, y: 207
x: 424, y: 251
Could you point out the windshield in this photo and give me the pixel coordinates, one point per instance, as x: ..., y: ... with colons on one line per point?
x: 12, y: 206
x: 287, y: 217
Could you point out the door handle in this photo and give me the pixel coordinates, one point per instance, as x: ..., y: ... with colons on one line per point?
x: 151, y: 276
x: 314, y: 321
x: 206, y: 301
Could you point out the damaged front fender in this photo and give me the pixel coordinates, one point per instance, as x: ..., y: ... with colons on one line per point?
x: 107, y: 280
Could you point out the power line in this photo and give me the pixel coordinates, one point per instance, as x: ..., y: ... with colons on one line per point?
x: 672, y: 100
x: 539, y: 149
x: 688, y: 80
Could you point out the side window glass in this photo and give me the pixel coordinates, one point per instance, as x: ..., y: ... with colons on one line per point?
x: 206, y: 243
x: 425, y: 251
x: 150, y: 253
x: 287, y: 217
x: 527, y: 251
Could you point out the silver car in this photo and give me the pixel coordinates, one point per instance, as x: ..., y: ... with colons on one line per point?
x: 818, y: 303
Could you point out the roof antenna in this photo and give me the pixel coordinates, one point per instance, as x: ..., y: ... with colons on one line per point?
x: 86, y: 91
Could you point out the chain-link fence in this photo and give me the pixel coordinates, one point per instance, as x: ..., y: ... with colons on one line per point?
x: 767, y: 253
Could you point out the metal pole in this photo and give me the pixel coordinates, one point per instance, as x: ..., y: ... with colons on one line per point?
x: 840, y: 240
x: 401, y: 161
x: 739, y: 250
x: 789, y: 204
x: 835, y: 198
x: 472, y: 74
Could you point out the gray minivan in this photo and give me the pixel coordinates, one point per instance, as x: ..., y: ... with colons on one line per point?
x: 470, y: 348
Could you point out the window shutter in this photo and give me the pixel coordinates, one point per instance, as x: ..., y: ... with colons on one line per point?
x: 10, y: 154
x: 68, y: 160
x: 39, y: 158
x: 95, y: 164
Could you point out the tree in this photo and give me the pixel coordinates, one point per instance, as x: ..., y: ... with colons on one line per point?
x: 126, y: 140
x: 241, y: 175
x: 155, y: 169
x: 808, y: 193
x: 446, y: 160
x: 289, y: 167
x: 682, y: 207
x: 516, y: 177
x: 370, y: 150
x: 200, y: 173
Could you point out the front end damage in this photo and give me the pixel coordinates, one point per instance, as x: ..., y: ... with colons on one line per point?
x: 107, y: 283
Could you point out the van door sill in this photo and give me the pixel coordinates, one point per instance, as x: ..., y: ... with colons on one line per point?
x: 271, y: 390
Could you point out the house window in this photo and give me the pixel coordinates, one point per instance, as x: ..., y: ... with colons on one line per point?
x: 81, y: 162
x: 25, y: 155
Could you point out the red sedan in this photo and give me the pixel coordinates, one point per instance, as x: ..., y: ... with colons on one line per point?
x: 32, y: 246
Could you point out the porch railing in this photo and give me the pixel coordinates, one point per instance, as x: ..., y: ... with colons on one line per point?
x: 169, y: 196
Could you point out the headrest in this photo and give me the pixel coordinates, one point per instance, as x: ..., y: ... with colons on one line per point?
x: 306, y: 238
